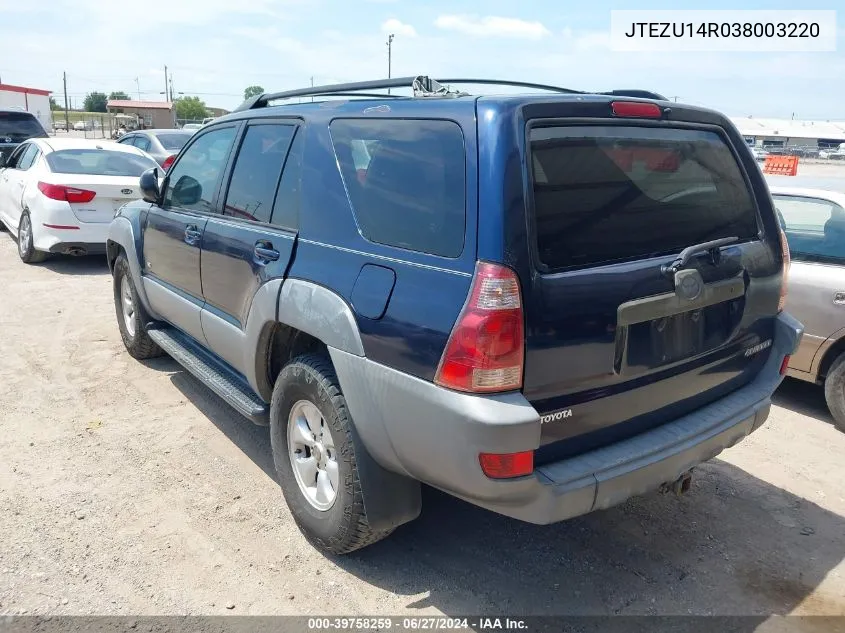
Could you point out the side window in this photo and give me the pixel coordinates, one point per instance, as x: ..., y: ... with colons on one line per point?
x: 15, y: 156
x: 28, y: 157
x: 128, y: 140
x: 142, y: 143
x: 257, y: 170
x: 815, y: 228
x: 406, y: 181
x: 286, y: 206
x: 192, y: 181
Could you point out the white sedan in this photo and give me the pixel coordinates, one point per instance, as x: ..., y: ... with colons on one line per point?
x: 59, y: 195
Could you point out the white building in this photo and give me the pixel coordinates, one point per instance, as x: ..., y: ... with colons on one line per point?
x: 28, y: 99
x: 786, y: 133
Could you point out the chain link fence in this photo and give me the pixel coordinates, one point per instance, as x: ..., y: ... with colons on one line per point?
x: 84, y: 124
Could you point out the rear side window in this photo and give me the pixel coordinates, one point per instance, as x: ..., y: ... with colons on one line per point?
x: 257, y: 171
x: 604, y: 194
x: 406, y: 181
x: 815, y: 228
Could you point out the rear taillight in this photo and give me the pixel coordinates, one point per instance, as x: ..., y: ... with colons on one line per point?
x: 506, y: 465
x: 485, y: 352
x: 66, y: 194
x: 636, y: 109
x: 784, y: 365
x: 168, y: 162
x: 784, y: 246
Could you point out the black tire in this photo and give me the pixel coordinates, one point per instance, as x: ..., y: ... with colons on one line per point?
x: 26, y: 248
x: 343, y: 528
x: 834, y: 392
x: 138, y: 343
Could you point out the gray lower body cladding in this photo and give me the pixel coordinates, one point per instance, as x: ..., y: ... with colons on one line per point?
x: 434, y: 435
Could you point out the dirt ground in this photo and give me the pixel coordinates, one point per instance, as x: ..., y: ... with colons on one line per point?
x: 128, y: 488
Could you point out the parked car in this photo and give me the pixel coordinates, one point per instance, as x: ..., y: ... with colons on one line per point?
x: 162, y: 145
x: 82, y: 126
x: 192, y: 127
x: 60, y: 124
x: 541, y: 304
x: 17, y: 126
x: 759, y: 153
x: 814, y: 222
x: 59, y: 195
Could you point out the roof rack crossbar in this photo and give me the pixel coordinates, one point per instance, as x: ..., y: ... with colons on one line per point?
x: 421, y: 85
x: 636, y: 93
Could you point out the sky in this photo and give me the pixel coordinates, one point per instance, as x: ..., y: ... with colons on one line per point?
x: 216, y: 48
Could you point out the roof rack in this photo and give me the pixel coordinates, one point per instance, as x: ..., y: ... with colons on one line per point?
x: 421, y: 85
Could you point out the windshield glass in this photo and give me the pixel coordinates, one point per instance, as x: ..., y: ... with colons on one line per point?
x: 173, y: 141
x: 98, y: 162
x: 19, y: 126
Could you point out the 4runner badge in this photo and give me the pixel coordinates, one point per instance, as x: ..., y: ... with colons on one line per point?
x: 758, y: 348
x: 555, y: 417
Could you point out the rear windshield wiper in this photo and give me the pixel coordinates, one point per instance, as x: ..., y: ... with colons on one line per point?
x: 690, y: 251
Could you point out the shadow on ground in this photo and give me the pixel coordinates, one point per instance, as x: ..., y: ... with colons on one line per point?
x: 95, y: 265
x: 804, y: 398
x: 734, y: 545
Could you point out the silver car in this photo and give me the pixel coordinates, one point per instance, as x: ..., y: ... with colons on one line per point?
x: 814, y: 223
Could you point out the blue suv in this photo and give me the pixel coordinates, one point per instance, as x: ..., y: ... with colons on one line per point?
x: 543, y: 304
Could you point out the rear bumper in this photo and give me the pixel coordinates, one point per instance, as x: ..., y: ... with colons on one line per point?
x: 435, y: 435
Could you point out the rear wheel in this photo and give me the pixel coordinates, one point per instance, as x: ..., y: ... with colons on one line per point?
x: 26, y: 245
x: 310, y: 432
x: 132, y: 319
x: 834, y: 392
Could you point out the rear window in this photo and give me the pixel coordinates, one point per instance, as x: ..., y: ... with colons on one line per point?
x: 173, y: 141
x: 406, y: 180
x: 98, y: 162
x: 20, y: 126
x: 605, y: 194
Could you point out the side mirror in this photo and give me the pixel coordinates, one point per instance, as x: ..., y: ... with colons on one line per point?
x: 187, y: 191
x: 150, y: 189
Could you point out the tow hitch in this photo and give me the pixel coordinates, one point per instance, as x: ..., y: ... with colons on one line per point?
x: 678, y: 487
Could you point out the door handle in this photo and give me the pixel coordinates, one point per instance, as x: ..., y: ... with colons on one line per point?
x: 192, y: 234
x: 264, y: 251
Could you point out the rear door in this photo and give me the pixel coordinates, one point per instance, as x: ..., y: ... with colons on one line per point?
x: 173, y: 231
x: 815, y: 231
x: 252, y: 241
x: 13, y: 182
x: 615, y: 342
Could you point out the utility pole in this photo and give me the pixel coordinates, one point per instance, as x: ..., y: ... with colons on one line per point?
x: 138, y: 83
x: 389, y: 56
x: 67, y: 117
x: 171, y: 88
x: 166, y: 93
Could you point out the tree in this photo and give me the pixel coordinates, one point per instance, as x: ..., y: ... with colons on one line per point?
x: 95, y: 102
x: 253, y: 91
x: 54, y: 106
x: 190, y: 108
x: 119, y: 96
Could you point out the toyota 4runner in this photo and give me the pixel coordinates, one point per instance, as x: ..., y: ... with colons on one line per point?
x: 543, y: 304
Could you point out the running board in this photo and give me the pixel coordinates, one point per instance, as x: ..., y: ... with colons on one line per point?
x: 222, y: 380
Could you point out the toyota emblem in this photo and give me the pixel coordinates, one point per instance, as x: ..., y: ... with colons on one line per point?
x: 126, y: 191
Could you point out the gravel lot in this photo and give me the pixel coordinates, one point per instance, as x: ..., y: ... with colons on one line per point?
x: 127, y: 488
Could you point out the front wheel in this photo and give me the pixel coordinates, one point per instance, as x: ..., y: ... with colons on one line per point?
x: 311, y: 437
x: 834, y: 392
x: 26, y: 245
x: 131, y: 318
